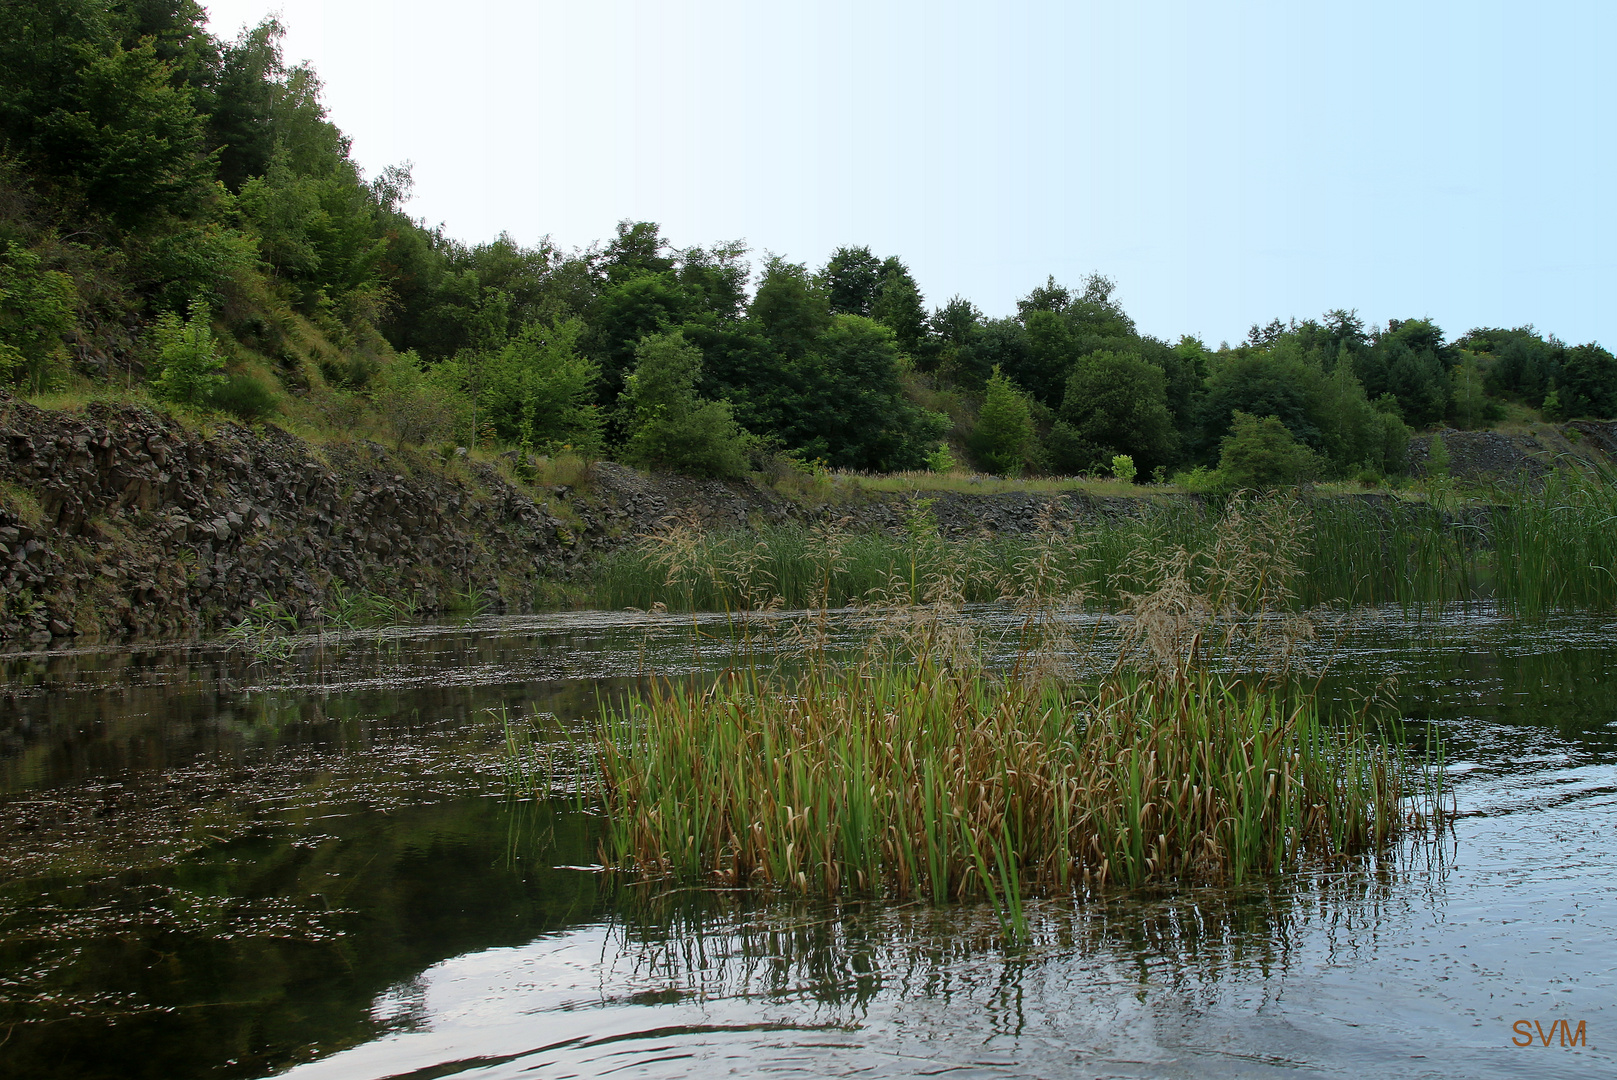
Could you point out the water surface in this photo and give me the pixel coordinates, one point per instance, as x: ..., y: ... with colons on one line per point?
x: 218, y: 866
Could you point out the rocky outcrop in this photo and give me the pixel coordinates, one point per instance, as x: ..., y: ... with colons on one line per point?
x: 1480, y: 455
x: 120, y: 520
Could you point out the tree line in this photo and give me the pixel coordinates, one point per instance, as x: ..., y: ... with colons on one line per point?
x: 178, y: 211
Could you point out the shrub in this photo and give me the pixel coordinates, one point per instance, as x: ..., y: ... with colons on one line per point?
x: 1123, y: 468
x: 941, y: 460
x: 1261, y: 455
x: 245, y: 398
x: 189, y: 366
x: 422, y: 407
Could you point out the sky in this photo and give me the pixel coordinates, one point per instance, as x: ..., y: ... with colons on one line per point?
x: 1224, y: 163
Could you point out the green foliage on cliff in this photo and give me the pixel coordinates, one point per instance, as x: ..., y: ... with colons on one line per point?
x: 149, y: 171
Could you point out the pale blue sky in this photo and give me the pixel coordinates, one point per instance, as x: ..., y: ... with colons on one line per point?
x: 1225, y: 163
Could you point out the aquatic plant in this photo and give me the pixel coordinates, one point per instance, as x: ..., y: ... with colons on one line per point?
x: 919, y: 771
x: 1556, y: 547
x: 267, y: 631
x: 349, y: 609
x: 1531, y: 548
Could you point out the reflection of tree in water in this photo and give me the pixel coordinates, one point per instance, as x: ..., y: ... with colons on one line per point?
x: 846, y: 957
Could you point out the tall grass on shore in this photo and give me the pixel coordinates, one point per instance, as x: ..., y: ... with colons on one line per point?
x: 1556, y: 548
x: 1531, y: 549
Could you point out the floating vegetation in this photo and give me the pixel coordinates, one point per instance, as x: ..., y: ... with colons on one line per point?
x: 269, y: 631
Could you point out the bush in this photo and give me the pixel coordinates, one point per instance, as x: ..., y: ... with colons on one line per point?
x: 1261, y: 455
x: 422, y: 407
x: 1123, y: 468
x: 941, y: 460
x: 245, y: 398
x: 1201, y: 481
x: 189, y: 366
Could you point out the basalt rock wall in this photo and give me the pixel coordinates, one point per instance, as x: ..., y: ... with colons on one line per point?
x: 121, y: 521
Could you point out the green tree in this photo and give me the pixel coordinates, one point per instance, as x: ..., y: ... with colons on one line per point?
x: 789, y: 307
x: 539, y: 392
x: 1115, y: 403
x: 1050, y: 354
x: 1002, y: 439
x: 1274, y: 380
x: 264, y: 108
x: 1437, y: 458
x: 1261, y: 455
x: 37, y: 308
x: 1589, y: 382
x: 955, y: 322
x: 843, y: 402
x: 189, y: 366
x: 668, y: 424
x: 127, y: 137
x: 899, y: 306
x: 1469, y: 401
x: 1001, y: 343
x: 852, y: 278
x: 636, y: 250
x: 1047, y: 297
x: 630, y: 308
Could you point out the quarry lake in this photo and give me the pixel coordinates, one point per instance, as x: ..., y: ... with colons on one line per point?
x: 217, y: 863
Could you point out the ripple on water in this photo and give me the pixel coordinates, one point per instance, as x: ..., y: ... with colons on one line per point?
x: 218, y: 866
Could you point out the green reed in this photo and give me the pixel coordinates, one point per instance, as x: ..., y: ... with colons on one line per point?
x: 919, y: 771
x: 945, y: 783
x: 1532, y: 549
x: 1556, y: 547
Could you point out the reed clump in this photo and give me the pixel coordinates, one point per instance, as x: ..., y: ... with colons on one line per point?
x: 920, y: 781
x: 920, y: 771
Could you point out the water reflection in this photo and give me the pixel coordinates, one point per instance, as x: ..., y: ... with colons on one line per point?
x: 212, y: 865
x: 271, y: 947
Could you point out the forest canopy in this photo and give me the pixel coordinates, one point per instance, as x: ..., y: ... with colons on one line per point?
x: 178, y: 212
